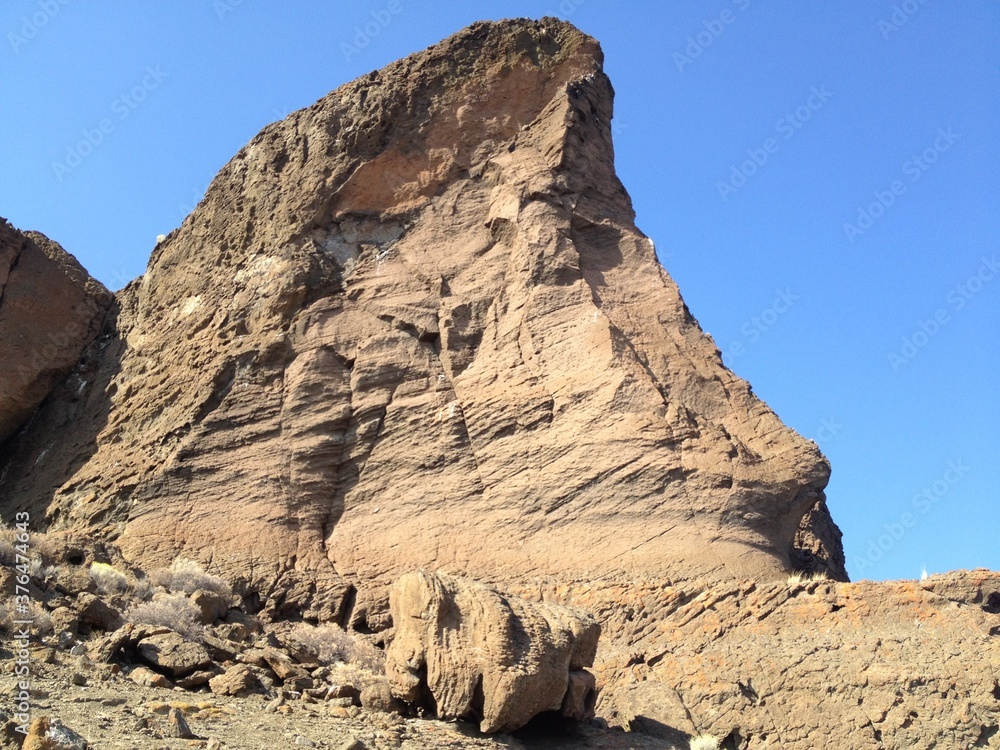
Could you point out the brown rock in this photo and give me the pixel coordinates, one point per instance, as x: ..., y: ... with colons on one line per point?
x: 501, y: 659
x: 238, y: 680
x: 399, y: 310
x: 174, y: 654
x: 177, y: 726
x: 212, y: 605
x: 281, y: 664
x: 375, y: 697
x: 147, y: 677
x: 822, y: 664
x: 50, y: 311
x: 50, y: 734
x: 64, y: 620
x: 95, y: 611
x: 196, y: 679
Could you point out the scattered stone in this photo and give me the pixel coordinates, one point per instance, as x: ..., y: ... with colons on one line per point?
x: 177, y: 726
x: 196, y: 679
x: 219, y: 648
x: 378, y: 697
x: 64, y: 620
x: 301, y: 741
x: 213, y: 744
x: 212, y: 605
x: 352, y: 744
x: 78, y: 679
x: 344, y: 691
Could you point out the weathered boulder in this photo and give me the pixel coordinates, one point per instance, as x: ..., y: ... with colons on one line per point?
x: 50, y: 311
x: 238, y: 680
x: 500, y: 659
x: 94, y: 611
x: 174, y: 654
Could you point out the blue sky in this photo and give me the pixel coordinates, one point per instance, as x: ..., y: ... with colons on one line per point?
x: 820, y: 179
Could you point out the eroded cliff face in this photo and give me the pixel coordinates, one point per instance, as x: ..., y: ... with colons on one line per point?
x: 414, y: 325
x: 50, y: 311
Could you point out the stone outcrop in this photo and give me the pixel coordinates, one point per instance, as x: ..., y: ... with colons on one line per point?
x: 802, y: 665
x: 478, y: 654
x: 50, y: 311
x: 414, y: 325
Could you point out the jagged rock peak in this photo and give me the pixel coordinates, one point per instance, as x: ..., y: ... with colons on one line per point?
x: 414, y: 325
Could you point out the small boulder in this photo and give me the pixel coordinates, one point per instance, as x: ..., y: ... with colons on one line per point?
x: 378, y: 697
x: 239, y: 680
x: 282, y: 665
x: 177, y: 726
x: 196, y: 679
x: 172, y: 653
x: 212, y: 605
x: 148, y: 678
x: 94, y: 611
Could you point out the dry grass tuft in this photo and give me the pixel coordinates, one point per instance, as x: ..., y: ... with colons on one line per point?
x: 704, y: 742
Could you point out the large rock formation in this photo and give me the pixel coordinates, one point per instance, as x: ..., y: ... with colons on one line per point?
x: 478, y: 654
x: 414, y: 325
x: 50, y: 311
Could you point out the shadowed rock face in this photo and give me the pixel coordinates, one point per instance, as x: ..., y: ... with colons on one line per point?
x: 50, y: 311
x: 414, y: 325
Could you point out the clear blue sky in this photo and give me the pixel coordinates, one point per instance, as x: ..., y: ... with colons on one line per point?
x: 748, y: 134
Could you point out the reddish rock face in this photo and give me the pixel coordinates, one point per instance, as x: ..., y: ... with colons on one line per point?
x: 415, y: 325
x: 50, y: 311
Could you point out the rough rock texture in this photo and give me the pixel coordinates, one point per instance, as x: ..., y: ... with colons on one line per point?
x: 50, y: 311
x: 501, y: 660
x: 414, y: 325
x: 799, y: 666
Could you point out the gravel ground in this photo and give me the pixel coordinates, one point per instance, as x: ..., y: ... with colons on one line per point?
x: 113, y: 713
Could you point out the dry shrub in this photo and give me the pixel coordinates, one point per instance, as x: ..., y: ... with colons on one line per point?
x: 188, y: 576
x: 41, y: 572
x: 174, y: 611
x: 704, y: 742
x: 109, y: 580
x: 329, y: 643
